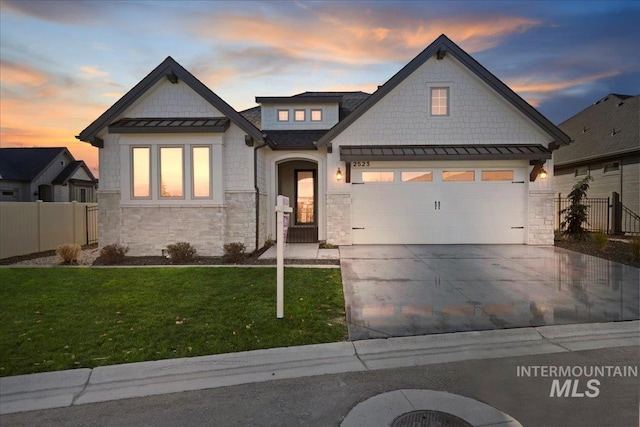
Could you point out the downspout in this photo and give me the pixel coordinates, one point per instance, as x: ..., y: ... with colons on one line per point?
x: 255, y: 186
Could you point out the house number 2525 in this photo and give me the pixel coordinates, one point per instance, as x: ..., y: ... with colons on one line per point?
x: 360, y: 164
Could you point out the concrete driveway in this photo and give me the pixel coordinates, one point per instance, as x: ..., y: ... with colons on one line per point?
x: 403, y: 290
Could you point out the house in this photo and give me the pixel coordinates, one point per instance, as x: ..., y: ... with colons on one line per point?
x: 606, y: 147
x: 47, y: 174
x: 443, y: 152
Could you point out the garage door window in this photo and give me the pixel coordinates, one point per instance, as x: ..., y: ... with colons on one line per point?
x: 459, y: 176
x: 417, y: 176
x: 377, y: 176
x: 497, y: 175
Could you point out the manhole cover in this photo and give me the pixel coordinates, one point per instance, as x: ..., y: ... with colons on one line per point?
x: 429, y: 419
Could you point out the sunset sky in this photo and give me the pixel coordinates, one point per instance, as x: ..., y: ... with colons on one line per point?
x: 63, y: 63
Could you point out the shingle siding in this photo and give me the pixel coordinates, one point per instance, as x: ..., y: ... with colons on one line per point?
x: 166, y: 99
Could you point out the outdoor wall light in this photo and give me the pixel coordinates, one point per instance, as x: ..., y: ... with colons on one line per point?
x: 339, y: 175
x: 543, y: 173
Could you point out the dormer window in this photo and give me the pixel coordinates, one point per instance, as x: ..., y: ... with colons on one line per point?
x: 283, y: 115
x: 299, y: 115
x: 316, y: 115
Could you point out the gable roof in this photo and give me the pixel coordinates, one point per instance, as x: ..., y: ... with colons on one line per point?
x: 440, y: 47
x: 173, y: 71
x: 68, y: 172
x: 593, y: 130
x: 26, y: 164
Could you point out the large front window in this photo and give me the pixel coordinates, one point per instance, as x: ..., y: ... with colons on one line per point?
x: 171, y: 172
x: 201, y: 160
x: 141, y: 172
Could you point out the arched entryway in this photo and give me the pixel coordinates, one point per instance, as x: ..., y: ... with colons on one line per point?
x: 298, y: 180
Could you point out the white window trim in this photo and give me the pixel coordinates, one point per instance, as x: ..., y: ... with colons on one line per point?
x: 278, y: 115
x: 193, y: 175
x: 304, y: 113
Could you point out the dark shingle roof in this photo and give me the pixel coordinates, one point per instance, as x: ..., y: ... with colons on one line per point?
x: 25, y: 164
x: 254, y: 116
x: 68, y: 172
x: 592, y: 129
x: 294, y: 139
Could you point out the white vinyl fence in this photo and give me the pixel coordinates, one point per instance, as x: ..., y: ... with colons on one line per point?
x: 29, y: 227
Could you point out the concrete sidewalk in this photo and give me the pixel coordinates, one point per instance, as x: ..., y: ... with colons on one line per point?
x: 77, y: 387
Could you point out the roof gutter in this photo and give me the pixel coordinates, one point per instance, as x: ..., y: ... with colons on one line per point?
x: 255, y: 186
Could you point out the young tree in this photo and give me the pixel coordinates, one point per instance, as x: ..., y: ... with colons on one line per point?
x: 576, y: 213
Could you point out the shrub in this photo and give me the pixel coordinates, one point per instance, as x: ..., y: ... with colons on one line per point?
x: 635, y: 248
x: 576, y: 213
x: 69, y: 253
x: 600, y: 240
x: 269, y: 242
x: 181, y: 252
x: 234, y: 252
x: 113, y: 254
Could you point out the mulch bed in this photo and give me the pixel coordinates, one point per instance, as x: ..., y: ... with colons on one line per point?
x: 205, y: 260
x: 614, y: 251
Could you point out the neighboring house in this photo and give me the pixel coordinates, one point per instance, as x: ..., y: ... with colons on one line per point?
x: 443, y: 152
x: 47, y: 174
x: 606, y: 147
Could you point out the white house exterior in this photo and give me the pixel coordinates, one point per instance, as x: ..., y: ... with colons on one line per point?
x: 442, y: 153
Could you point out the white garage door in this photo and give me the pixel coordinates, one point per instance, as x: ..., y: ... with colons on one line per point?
x: 438, y: 205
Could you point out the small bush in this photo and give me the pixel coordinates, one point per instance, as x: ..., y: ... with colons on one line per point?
x: 600, y: 240
x: 269, y: 242
x: 635, y: 248
x: 69, y: 253
x: 181, y: 252
x: 234, y: 252
x: 113, y: 254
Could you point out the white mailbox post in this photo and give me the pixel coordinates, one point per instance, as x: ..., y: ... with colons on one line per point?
x: 282, y: 224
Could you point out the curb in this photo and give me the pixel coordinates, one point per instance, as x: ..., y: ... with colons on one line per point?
x: 80, y: 386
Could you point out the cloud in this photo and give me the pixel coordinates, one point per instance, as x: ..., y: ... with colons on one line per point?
x: 92, y: 72
x: 67, y: 12
x: 350, y: 37
x: 21, y: 75
x: 536, y: 89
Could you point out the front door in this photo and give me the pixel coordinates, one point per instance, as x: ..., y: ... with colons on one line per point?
x: 297, y: 179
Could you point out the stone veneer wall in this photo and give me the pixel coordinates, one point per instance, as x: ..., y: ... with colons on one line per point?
x: 241, y: 218
x: 148, y: 230
x: 541, y: 217
x: 339, y: 219
x: 108, y: 218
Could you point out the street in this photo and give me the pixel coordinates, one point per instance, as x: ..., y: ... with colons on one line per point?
x: 326, y: 400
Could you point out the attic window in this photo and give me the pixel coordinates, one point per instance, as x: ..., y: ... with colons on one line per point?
x: 611, y: 167
x: 439, y: 101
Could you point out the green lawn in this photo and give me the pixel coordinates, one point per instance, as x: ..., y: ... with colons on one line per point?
x: 61, y: 318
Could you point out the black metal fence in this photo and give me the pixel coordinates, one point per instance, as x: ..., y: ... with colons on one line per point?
x: 605, y: 215
x: 598, y: 211
x: 630, y: 222
x: 92, y: 225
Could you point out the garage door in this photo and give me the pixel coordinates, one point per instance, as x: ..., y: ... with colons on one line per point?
x: 438, y: 205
